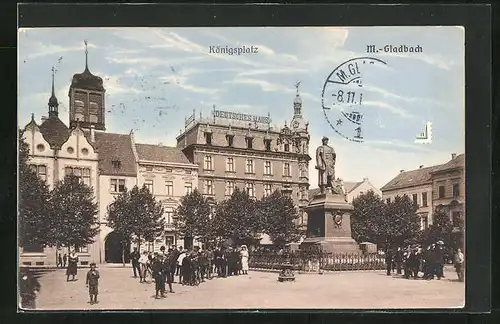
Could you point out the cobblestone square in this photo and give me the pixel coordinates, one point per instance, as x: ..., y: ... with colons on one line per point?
x: 340, y: 290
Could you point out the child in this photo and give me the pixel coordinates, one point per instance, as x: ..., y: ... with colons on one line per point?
x: 92, y: 283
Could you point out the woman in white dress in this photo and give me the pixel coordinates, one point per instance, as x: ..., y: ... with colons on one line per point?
x: 244, y: 259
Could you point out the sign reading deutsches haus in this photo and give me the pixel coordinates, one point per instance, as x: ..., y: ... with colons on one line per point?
x: 241, y: 117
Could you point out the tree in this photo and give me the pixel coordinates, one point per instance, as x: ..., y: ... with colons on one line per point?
x: 238, y: 219
x: 279, y: 218
x: 401, y: 225
x: 74, y: 212
x: 393, y: 224
x: 35, y: 223
x: 368, y: 212
x: 136, y: 215
x: 440, y: 230
x: 193, y: 217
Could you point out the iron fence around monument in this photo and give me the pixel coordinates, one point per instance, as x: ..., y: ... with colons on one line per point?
x: 317, y: 261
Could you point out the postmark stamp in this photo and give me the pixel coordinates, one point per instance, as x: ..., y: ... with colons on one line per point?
x: 342, y: 97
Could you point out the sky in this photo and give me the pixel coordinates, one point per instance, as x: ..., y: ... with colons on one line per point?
x: 156, y: 77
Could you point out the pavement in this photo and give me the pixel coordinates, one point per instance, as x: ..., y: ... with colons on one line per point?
x: 257, y: 290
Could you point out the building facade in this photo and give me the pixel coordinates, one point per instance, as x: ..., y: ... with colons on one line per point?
x: 448, y: 188
x: 440, y: 185
x: 253, y: 157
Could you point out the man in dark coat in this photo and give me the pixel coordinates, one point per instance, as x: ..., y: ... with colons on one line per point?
x: 203, y: 262
x: 439, y: 259
x: 170, y: 265
x: 134, y: 259
x: 218, y: 261
x: 29, y: 288
x: 157, y: 270
x: 398, y: 260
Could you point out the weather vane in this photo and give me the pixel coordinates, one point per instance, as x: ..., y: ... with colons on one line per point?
x: 297, y: 84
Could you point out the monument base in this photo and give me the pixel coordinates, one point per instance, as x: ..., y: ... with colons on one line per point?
x: 332, y: 244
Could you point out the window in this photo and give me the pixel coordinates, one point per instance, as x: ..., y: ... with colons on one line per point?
x: 83, y: 174
x: 82, y: 249
x: 187, y: 171
x: 441, y: 192
x: 267, y: 189
x: 267, y: 143
x: 149, y: 168
x: 117, y: 185
x: 267, y: 168
x: 415, y: 199
x: 303, y: 194
x: 229, y: 188
x: 40, y: 170
x: 425, y: 222
x: 70, y: 150
x: 456, y: 190
x: 250, y: 189
x: 286, y: 169
x: 149, y: 185
x: 249, y: 166
x: 249, y: 142
x: 388, y: 200
x: 455, y: 218
x: 208, y: 163
x: 40, y: 147
x: 86, y: 177
x: 209, y: 187
x: 93, y: 118
x: 287, y: 147
x: 189, y: 187
x: 169, y: 214
x: 229, y: 139
x: 230, y: 165
x: 169, y: 186
x: 208, y: 138
x: 424, y: 199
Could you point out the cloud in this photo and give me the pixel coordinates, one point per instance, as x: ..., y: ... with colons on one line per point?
x: 39, y: 49
x: 182, y: 82
x: 263, y: 84
x: 384, y: 105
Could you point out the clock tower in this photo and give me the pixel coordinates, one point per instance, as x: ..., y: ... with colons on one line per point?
x: 300, y: 139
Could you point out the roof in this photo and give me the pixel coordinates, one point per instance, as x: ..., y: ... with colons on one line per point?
x: 86, y: 80
x: 411, y: 178
x: 348, y: 186
x: 457, y: 162
x: 54, y: 131
x: 115, y: 147
x: 159, y: 153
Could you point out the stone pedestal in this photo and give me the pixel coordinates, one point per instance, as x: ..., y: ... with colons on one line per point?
x: 329, y: 224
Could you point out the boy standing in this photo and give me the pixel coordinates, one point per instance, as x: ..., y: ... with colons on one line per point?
x: 92, y: 283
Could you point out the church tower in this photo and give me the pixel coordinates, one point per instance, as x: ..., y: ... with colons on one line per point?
x: 86, y: 99
x: 53, y: 103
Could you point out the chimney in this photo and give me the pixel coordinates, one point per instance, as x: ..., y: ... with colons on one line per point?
x: 92, y: 133
x: 420, y: 167
x: 453, y: 156
x: 401, y: 171
x: 44, y: 118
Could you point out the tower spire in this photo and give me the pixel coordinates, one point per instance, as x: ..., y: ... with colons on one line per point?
x: 53, y: 103
x: 86, y: 56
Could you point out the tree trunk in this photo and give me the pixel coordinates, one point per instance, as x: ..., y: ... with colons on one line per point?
x: 139, y: 244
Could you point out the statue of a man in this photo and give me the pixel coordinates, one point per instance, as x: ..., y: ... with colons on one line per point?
x: 325, y: 164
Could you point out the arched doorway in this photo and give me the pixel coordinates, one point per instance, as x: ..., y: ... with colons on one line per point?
x: 113, y: 249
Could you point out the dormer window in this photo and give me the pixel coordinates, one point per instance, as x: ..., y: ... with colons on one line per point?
x: 249, y: 141
x: 208, y: 138
x: 287, y: 147
x: 230, y: 140
x: 267, y: 143
x: 117, y: 164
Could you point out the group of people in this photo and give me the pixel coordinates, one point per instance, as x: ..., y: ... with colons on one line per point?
x: 192, y: 266
x: 412, y: 260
